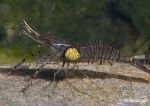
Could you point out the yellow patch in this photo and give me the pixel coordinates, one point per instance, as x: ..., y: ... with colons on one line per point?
x: 72, y: 54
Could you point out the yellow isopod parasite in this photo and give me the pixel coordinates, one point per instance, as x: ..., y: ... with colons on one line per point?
x: 72, y: 54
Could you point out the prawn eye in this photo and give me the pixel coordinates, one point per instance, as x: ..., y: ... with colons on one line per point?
x: 72, y: 54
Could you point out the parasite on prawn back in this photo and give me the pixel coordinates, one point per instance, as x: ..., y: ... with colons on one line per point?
x: 72, y: 54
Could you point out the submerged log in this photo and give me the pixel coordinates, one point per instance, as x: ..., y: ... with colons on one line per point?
x: 85, y: 85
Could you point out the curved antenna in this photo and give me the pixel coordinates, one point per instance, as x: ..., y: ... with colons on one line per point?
x: 45, y: 39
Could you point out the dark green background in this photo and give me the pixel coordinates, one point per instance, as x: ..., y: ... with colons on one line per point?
x: 123, y: 24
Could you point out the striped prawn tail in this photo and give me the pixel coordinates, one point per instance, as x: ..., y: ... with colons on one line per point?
x: 97, y: 51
